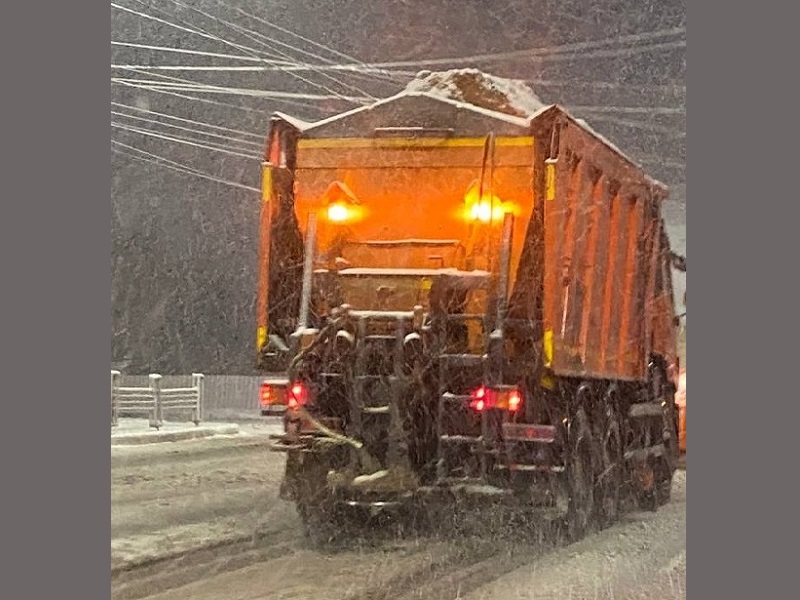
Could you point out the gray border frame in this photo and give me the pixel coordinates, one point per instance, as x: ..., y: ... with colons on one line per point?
x: 741, y: 183
x: 56, y: 317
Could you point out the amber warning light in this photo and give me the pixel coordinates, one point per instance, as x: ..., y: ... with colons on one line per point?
x: 338, y: 212
x: 484, y: 206
x: 342, y: 203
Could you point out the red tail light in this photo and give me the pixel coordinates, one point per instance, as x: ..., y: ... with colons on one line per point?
x: 509, y: 399
x: 267, y: 397
x: 478, y: 399
x: 298, y: 395
x: 273, y: 396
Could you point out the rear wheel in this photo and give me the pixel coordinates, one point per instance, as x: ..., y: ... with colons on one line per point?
x: 319, y: 523
x: 439, y: 514
x: 664, y: 393
x: 664, y: 474
x: 611, y: 477
x: 314, y: 502
x: 580, y: 476
x: 671, y: 429
x: 648, y: 489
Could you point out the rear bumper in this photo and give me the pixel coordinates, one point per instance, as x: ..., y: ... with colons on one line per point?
x: 478, y: 494
x: 506, y: 482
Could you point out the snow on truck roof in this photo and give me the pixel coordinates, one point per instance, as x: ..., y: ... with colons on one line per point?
x: 508, y: 100
x: 474, y: 88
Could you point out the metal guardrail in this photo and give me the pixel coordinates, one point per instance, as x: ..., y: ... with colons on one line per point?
x: 155, y: 401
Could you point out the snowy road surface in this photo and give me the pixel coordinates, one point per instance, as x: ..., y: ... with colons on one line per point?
x: 201, y: 520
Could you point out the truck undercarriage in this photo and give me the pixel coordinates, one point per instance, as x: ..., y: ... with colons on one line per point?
x: 396, y: 409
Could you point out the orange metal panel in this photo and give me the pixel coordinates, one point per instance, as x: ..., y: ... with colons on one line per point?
x: 566, y: 214
x: 396, y: 201
x: 276, y: 182
x: 583, y: 203
x: 650, y: 246
x: 384, y: 157
x: 596, y: 262
x: 616, y: 277
x: 600, y: 304
x: 629, y: 342
x: 589, y: 269
x: 262, y: 300
x: 604, y: 192
x: 662, y: 319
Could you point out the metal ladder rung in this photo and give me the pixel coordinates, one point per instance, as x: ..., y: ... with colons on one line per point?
x: 462, y: 360
x: 535, y: 468
x: 646, y: 410
x: 460, y: 439
x: 382, y: 337
x: 461, y: 480
x: 382, y: 315
x: 375, y: 410
x: 367, y: 377
x: 642, y: 454
x: 449, y: 397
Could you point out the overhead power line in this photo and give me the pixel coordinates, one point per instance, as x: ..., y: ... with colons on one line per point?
x: 180, y: 140
x: 388, y: 74
x: 168, y: 164
x: 207, y: 101
x: 378, y: 67
x: 632, y: 110
x: 185, y: 138
x: 186, y: 29
x: 227, y: 138
x: 258, y: 38
x: 193, y: 52
x: 551, y: 52
x: 184, y: 120
x: 201, y: 87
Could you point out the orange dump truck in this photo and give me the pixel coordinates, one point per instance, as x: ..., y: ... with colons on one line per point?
x: 466, y: 291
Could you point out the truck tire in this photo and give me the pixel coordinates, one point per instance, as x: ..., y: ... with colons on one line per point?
x: 664, y: 393
x: 611, y: 482
x: 314, y: 502
x: 580, y: 478
x: 319, y: 524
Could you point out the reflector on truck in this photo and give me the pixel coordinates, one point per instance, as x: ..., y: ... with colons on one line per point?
x: 529, y: 433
